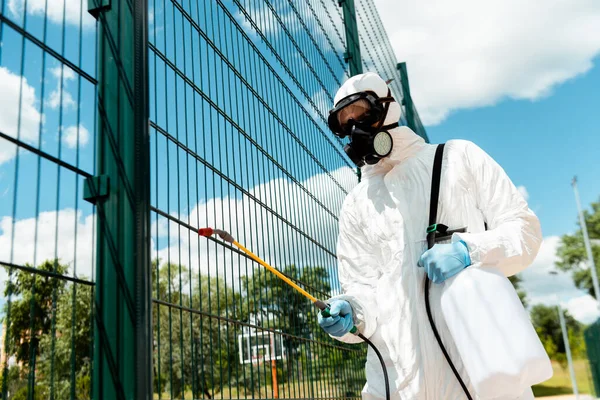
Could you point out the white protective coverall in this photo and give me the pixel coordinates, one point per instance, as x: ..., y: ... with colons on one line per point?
x: 382, y: 234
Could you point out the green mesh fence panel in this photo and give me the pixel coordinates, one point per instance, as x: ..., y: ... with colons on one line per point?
x: 378, y: 56
x: 238, y: 93
x: 47, y: 231
x: 592, y: 343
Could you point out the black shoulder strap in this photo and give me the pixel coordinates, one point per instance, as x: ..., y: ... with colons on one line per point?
x: 431, y: 234
x: 435, y: 195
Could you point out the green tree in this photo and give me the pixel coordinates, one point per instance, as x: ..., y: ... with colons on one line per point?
x: 65, y: 358
x: 286, y: 309
x: 33, y: 298
x: 572, y: 254
x: 516, y: 282
x: 16, y: 379
x: 49, y: 332
x: 197, y: 350
x: 280, y: 306
x: 546, y: 322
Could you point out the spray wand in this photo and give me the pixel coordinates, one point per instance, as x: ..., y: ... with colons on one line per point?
x: 321, y: 305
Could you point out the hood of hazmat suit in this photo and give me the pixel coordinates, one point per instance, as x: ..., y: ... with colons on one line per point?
x: 383, y: 225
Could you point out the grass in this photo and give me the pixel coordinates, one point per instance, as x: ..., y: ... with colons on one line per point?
x: 320, y: 389
x: 560, y: 383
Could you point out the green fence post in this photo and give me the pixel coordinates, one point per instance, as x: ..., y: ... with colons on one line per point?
x: 352, y: 55
x: 406, y: 98
x: 592, y: 336
x: 412, y: 119
x: 123, y: 333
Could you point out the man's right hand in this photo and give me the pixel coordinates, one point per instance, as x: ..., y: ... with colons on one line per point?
x: 340, y: 322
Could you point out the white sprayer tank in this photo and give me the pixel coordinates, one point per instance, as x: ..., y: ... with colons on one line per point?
x: 499, y: 348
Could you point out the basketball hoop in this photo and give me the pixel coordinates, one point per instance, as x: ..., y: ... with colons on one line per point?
x: 256, y: 347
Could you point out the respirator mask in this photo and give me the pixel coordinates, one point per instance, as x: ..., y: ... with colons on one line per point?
x: 361, y: 116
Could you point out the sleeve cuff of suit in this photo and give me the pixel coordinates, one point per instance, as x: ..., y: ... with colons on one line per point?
x: 364, y: 323
x: 471, y: 240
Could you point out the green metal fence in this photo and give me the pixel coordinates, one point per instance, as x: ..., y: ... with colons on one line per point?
x: 47, y: 231
x: 593, y: 351
x: 124, y: 132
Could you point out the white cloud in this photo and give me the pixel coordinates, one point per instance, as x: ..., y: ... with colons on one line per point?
x: 543, y: 288
x: 67, y: 73
x: 13, y: 87
x: 266, y: 19
x: 523, y: 191
x: 261, y: 16
x: 77, y: 250
x: 71, y: 133
x: 469, y: 53
x: 154, y: 22
x: 583, y: 308
x: 322, y: 102
x: 252, y: 225
x: 319, y: 26
x: 55, y: 101
x: 261, y: 232
x: 54, y: 10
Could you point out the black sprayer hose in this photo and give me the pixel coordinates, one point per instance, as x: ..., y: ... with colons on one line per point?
x: 439, y: 339
x: 385, y: 374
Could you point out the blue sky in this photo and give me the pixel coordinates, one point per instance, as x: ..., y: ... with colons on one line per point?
x: 524, y: 92
x: 519, y: 79
x: 541, y: 144
x: 42, y: 201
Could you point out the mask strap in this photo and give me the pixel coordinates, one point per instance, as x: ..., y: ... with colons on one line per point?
x: 387, y: 106
x: 390, y: 126
x: 387, y: 99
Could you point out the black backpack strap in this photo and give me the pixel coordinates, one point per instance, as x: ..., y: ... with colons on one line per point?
x: 433, y: 228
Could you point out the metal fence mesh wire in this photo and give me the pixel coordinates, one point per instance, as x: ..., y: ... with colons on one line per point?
x: 47, y: 148
x: 239, y: 92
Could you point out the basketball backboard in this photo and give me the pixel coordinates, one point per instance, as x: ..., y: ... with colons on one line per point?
x: 257, y: 346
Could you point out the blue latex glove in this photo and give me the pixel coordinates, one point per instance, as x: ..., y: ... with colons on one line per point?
x: 340, y: 321
x: 443, y: 261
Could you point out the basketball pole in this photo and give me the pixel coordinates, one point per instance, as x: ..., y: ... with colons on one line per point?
x: 273, y: 355
x: 274, y: 373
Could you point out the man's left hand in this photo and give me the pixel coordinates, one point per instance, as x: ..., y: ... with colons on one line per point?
x: 443, y: 261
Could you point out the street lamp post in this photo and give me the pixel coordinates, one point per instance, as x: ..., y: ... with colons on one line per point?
x: 586, y: 241
x: 565, y: 335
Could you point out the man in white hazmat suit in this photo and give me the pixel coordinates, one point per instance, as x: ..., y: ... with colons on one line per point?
x: 382, y: 248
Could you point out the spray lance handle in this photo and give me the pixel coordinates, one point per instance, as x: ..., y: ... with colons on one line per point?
x: 321, y: 305
x: 325, y: 313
